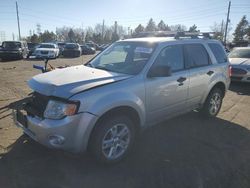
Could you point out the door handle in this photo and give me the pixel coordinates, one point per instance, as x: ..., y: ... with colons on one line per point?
x: 209, y: 73
x: 181, y: 80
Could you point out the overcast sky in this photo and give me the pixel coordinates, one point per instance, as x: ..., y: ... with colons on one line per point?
x: 129, y: 13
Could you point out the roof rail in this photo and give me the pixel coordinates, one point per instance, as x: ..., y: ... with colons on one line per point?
x: 175, y: 34
x: 194, y: 35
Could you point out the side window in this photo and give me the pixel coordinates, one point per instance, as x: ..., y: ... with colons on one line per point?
x: 196, y: 55
x: 171, y: 56
x: 218, y: 52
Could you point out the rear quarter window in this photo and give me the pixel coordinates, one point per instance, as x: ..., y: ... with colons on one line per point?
x: 218, y: 52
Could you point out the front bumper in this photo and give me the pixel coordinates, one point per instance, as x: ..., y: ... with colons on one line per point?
x: 71, y: 53
x: 240, y: 74
x: 10, y: 55
x: 43, y: 56
x: 70, y: 133
x: 241, y: 77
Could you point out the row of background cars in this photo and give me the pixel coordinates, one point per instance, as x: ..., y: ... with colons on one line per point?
x: 21, y: 49
x: 239, y: 57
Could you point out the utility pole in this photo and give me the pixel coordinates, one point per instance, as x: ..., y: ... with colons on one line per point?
x: 83, y: 40
x: 222, y: 30
x: 13, y: 37
x: 102, y: 30
x: 228, y: 12
x: 17, y: 15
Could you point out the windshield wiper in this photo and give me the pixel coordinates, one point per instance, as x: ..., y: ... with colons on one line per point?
x: 102, y: 68
x: 89, y: 65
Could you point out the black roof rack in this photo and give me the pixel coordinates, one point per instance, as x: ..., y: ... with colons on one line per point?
x: 194, y: 35
x: 176, y: 35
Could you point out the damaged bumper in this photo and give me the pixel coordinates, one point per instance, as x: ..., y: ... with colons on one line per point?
x: 70, y: 133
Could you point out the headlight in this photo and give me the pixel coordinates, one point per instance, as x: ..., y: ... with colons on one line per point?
x: 58, y: 110
x: 248, y: 68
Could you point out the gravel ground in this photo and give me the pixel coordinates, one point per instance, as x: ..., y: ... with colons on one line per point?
x: 185, y: 152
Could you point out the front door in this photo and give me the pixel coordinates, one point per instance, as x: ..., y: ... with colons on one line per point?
x: 166, y: 96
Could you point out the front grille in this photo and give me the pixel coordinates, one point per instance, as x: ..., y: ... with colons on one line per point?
x: 44, y: 52
x: 238, y: 71
x: 37, y: 105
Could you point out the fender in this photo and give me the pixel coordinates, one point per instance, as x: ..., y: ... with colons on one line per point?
x: 103, y: 105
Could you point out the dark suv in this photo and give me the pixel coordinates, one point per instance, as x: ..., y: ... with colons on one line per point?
x: 13, y: 50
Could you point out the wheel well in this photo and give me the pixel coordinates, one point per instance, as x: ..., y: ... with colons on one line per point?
x: 129, y: 111
x: 221, y: 86
x: 124, y: 110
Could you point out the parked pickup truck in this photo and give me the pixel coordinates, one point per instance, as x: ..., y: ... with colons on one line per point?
x: 133, y: 84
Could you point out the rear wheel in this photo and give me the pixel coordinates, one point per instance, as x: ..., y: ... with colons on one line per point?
x: 112, y: 139
x: 213, y: 103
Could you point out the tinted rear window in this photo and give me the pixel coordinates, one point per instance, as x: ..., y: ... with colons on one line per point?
x: 196, y: 55
x: 71, y: 46
x: 218, y: 52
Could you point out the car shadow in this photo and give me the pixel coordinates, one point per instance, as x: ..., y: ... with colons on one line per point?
x: 187, y: 151
x: 240, y: 88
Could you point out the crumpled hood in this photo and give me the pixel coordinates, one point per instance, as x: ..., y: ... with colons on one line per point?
x: 239, y: 61
x: 68, y: 81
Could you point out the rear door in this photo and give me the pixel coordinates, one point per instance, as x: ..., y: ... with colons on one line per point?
x: 201, y: 71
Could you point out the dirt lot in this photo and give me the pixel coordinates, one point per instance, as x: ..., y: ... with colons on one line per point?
x: 187, y: 151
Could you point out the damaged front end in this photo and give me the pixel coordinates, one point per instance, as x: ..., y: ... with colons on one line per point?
x: 34, y: 106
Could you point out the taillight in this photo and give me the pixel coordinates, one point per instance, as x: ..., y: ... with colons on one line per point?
x: 230, y: 70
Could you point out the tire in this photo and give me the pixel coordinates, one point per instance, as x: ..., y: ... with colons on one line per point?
x: 119, y: 134
x: 213, y: 103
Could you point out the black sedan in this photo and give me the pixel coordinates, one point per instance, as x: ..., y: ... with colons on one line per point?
x: 72, y: 50
x: 86, y: 50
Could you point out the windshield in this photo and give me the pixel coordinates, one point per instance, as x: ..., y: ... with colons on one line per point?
x: 240, y: 53
x: 90, y: 45
x: 71, y: 46
x: 11, y: 45
x: 124, y: 57
x: 46, y: 46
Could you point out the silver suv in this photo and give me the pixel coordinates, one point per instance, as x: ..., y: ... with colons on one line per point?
x: 136, y: 83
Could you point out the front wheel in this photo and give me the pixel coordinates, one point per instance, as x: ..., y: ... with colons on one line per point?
x: 112, y: 139
x: 213, y: 103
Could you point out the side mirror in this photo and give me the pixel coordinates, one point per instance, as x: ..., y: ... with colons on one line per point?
x: 159, y: 71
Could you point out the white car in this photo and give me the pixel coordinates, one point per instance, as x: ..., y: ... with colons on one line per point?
x: 46, y: 50
x: 239, y: 59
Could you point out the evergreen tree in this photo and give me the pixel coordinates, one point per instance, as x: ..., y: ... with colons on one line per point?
x: 71, y: 35
x: 47, y: 36
x: 139, y: 29
x: 151, y: 25
x: 193, y: 28
x: 241, y: 29
x: 162, y: 26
